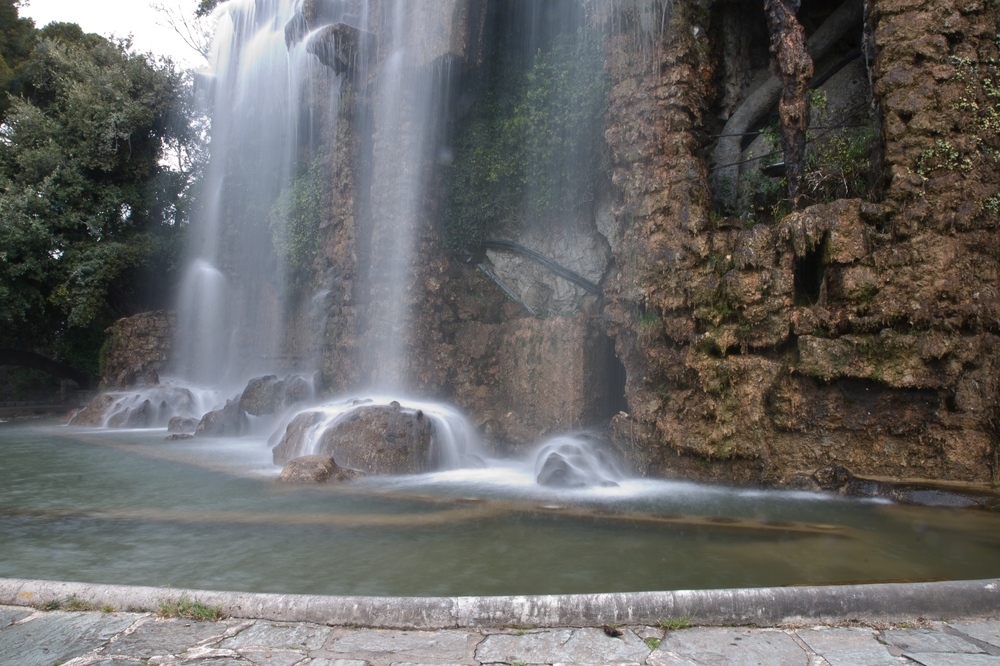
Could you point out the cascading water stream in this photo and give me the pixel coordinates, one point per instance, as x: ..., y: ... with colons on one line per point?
x: 233, y: 307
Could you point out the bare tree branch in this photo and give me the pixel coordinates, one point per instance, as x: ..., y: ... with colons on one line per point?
x: 196, y: 31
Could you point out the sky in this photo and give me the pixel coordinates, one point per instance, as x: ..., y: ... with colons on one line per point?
x: 121, y: 18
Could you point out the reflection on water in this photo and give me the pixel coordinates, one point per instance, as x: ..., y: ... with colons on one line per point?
x: 127, y: 507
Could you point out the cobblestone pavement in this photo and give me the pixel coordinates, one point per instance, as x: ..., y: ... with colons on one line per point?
x: 39, y: 638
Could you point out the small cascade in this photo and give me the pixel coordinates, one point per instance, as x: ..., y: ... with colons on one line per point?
x: 576, y: 461
x: 383, y: 435
x: 148, y: 407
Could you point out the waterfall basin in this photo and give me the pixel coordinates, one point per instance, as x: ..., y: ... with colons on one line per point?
x: 127, y: 507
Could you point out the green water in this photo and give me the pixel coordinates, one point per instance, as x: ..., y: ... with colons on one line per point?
x: 129, y: 508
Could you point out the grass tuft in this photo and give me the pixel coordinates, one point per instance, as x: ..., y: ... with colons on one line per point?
x: 190, y: 609
x: 676, y: 623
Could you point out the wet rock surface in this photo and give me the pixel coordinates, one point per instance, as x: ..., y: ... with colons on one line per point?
x: 138, y: 349
x: 94, y: 413
x: 381, y: 439
x: 44, y: 638
x: 927, y: 493
x: 316, y: 469
x: 182, y: 424
x: 270, y: 395
x: 575, y: 463
x: 148, y: 407
x: 372, y: 439
x: 230, y: 421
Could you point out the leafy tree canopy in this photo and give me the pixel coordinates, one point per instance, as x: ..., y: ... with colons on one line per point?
x: 205, y: 7
x: 89, y: 209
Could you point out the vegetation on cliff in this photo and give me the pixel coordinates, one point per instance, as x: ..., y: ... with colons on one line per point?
x: 531, y: 148
x: 91, y: 211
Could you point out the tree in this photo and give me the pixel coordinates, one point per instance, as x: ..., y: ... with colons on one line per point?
x: 88, y: 207
x: 17, y: 39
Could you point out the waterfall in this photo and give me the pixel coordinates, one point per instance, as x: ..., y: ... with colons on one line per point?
x: 233, y: 307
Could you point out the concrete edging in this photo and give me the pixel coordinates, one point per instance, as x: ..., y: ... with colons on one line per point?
x: 766, y: 606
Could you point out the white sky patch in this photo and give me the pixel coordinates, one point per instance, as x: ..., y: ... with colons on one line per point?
x: 120, y: 18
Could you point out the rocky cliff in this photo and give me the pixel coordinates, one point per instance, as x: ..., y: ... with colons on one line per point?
x: 725, y: 336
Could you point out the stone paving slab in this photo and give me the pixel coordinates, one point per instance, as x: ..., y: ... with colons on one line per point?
x: 728, y: 647
x: 572, y: 646
x: 51, y: 637
x: 285, y: 635
x: 988, y: 632
x: 440, y: 646
x: 848, y: 647
x: 927, y: 640
x: 10, y: 616
x: 943, y: 659
x: 163, y: 637
x: 140, y: 639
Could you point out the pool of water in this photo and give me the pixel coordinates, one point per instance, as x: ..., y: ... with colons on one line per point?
x: 128, y: 507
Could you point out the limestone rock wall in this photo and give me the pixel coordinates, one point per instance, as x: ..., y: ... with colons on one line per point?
x: 135, y: 346
x: 862, y: 333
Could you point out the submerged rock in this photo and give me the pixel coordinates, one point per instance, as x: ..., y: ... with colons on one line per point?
x: 182, y: 424
x: 316, y: 469
x: 575, y: 462
x: 230, y: 421
x: 179, y: 436
x: 841, y: 480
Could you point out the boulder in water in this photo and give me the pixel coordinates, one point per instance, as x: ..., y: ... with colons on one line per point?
x: 294, y: 442
x: 376, y: 439
x: 262, y: 395
x: 270, y: 395
x: 316, y: 469
x: 575, y: 462
x: 182, y: 424
x: 178, y: 436
x: 95, y: 413
x: 230, y: 421
x: 381, y: 439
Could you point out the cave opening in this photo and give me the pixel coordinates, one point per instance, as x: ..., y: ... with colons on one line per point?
x: 809, y: 276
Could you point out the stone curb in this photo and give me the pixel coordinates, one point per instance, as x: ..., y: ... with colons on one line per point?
x: 766, y: 606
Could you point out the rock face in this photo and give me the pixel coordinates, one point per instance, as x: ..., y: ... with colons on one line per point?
x: 856, y: 332
x: 316, y: 469
x: 861, y: 331
x: 138, y: 349
x: 376, y: 439
x: 230, y: 421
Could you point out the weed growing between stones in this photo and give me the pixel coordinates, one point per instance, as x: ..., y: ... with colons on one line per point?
x: 190, y: 609
x: 75, y: 603
x: 676, y: 623
x: 652, y: 642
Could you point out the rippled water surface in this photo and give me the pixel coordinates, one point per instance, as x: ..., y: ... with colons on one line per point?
x: 128, y: 507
